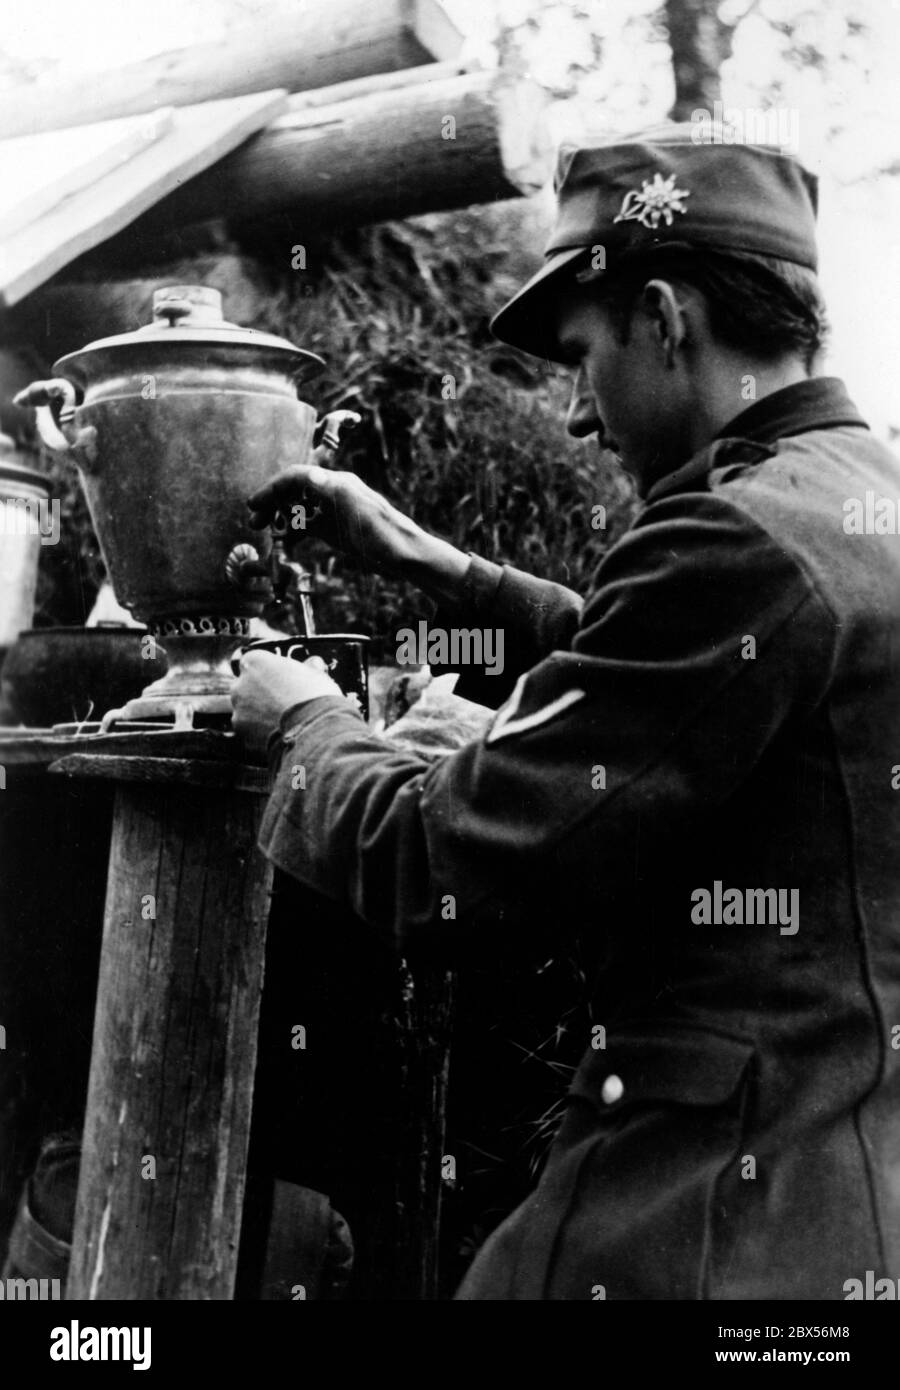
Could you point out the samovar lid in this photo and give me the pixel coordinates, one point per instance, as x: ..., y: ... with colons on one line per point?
x: 192, y: 314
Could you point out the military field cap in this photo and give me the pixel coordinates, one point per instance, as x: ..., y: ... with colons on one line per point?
x: 679, y: 185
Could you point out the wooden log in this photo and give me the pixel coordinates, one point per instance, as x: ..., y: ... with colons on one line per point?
x: 174, y: 1049
x: 295, y: 47
x: 378, y: 82
x: 425, y: 147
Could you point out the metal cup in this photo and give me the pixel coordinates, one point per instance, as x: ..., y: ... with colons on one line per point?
x: 345, y: 655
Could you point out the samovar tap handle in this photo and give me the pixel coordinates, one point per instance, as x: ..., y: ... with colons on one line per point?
x: 244, y: 568
x: 332, y: 427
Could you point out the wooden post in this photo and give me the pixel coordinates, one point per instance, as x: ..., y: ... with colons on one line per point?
x: 175, y: 1036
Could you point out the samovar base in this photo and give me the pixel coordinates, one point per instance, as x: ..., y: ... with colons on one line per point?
x: 197, y: 683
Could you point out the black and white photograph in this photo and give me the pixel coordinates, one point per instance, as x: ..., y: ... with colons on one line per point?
x: 449, y: 676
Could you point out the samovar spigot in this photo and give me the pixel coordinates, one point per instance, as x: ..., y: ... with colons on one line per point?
x: 292, y: 583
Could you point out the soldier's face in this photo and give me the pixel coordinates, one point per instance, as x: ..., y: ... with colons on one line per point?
x: 622, y: 392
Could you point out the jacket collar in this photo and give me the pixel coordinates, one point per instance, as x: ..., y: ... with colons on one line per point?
x: 819, y: 403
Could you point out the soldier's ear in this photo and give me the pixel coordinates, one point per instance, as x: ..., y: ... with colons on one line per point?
x: 666, y: 309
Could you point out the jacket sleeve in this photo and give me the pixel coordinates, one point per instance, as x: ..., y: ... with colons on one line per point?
x: 535, y: 615
x: 703, y: 637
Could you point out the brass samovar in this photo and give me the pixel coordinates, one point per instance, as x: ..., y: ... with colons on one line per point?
x: 172, y: 427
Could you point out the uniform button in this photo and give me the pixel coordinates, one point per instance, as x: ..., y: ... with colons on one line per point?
x: 613, y: 1089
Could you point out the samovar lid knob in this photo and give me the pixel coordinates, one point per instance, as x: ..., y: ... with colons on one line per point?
x: 188, y: 305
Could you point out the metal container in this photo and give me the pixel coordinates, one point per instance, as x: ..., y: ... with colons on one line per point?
x: 57, y: 674
x: 23, y: 492
x: 173, y: 427
x: 345, y: 655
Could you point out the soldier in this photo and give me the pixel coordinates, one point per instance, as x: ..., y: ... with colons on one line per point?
x: 695, y: 769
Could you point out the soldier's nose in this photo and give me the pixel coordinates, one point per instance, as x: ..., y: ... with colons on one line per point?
x: 582, y: 418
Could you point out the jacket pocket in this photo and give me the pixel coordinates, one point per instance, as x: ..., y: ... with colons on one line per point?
x: 629, y: 1193
x: 663, y: 1062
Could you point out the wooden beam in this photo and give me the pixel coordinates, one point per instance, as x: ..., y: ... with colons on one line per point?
x: 294, y: 47
x: 174, y: 771
x: 422, y: 147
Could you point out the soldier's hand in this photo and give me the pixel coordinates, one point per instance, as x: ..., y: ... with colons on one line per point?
x: 267, y: 686
x: 342, y: 510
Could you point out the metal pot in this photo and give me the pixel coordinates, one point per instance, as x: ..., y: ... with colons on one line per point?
x: 173, y: 427
x: 57, y: 674
x: 23, y: 493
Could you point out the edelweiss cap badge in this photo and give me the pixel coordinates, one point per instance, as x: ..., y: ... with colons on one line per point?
x: 657, y: 200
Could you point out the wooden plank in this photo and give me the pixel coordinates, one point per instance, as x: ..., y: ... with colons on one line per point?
x: 38, y: 171
x: 175, y: 1038
x: 295, y: 47
x: 193, y: 772
x: 198, y: 137
x: 435, y: 30
x: 40, y: 748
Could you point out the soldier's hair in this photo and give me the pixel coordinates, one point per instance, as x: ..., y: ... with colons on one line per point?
x: 761, y: 304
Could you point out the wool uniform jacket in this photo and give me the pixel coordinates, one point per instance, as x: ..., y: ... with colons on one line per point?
x: 698, y: 770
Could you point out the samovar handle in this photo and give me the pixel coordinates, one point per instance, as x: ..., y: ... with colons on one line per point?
x: 53, y: 402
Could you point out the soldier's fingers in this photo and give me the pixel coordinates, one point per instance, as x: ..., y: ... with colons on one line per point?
x: 278, y: 495
x: 317, y: 483
x: 267, y: 497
